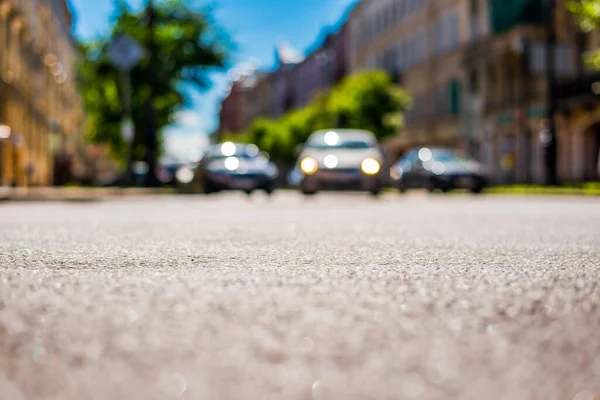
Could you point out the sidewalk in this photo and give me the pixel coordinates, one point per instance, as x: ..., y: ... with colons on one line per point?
x: 584, y: 189
x: 73, y: 193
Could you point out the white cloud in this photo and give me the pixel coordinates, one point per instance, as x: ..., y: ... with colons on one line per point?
x: 186, y: 139
x: 188, y: 119
x: 244, y: 68
x: 184, y: 147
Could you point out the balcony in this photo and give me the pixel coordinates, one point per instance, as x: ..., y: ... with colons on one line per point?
x: 507, y: 14
x: 578, y: 91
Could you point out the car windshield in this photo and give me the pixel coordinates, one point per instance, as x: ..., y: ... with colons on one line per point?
x: 230, y: 150
x: 343, y: 144
x: 215, y: 155
x: 447, y: 156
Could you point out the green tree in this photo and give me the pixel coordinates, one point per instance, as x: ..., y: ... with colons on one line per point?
x: 185, y: 44
x: 367, y: 100
x: 589, y: 13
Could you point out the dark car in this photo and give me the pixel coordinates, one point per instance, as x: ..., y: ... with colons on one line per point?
x: 437, y: 169
x: 340, y: 159
x: 234, y: 166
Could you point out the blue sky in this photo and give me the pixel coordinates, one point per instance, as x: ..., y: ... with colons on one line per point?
x: 255, y: 26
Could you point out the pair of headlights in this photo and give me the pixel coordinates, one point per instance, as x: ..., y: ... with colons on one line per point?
x: 369, y: 166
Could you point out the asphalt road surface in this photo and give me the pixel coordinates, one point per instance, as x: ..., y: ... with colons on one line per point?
x: 337, y: 297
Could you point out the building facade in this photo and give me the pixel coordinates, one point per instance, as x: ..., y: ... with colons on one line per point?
x: 419, y: 42
x: 259, y: 96
x: 323, y: 68
x: 232, y: 116
x: 578, y: 107
x: 507, y: 78
x: 293, y: 84
x: 283, y: 98
x: 40, y: 109
x: 476, y: 70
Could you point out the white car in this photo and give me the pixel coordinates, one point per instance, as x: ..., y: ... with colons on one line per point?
x: 341, y: 159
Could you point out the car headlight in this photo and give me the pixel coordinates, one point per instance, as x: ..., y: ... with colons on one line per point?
x: 184, y: 175
x: 370, y: 166
x: 232, y: 163
x: 308, y: 166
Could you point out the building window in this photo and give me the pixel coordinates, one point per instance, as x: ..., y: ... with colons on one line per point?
x: 454, y: 96
x: 399, y: 56
x: 396, y: 11
x: 446, y: 33
x: 415, y: 5
x: 7, y: 37
x: 439, y: 36
x: 393, y: 60
x: 403, y: 8
x: 452, y: 26
x: 581, y: 46
x: 474, y: 16
x: 414, y: 50
x: 409, y: 53
x: 389, y: 16
x: 421, y: 45
x: 473, y: 81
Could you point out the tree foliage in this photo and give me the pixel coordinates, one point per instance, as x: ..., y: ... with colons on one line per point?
x: 188, y: 44
x: 589, y: 13
x: 368, y: 100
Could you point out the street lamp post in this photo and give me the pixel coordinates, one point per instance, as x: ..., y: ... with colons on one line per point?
x: 17, y: 140
x: 152, y: 141
x: 125, y: 53
x: 550, y: 140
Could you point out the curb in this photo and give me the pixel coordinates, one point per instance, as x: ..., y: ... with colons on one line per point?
x: 73, y: 194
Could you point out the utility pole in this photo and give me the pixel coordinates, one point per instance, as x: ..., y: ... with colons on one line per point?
x: 549, y: 137
x: 125, y: 53
x: 152, y: 142
x: 525, y: 98
x: 127, y: 128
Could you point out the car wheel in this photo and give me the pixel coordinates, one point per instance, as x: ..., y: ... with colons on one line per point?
x: 433, y: 185
x: 269, y: 188
x: 209, y: 188
x: 308, y: 190
x: 477, y: 189
x: 375, y: 191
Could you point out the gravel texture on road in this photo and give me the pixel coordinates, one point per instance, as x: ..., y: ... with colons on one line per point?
x: 336, y: 297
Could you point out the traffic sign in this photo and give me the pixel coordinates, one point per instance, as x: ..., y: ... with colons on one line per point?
x: 125, y: 52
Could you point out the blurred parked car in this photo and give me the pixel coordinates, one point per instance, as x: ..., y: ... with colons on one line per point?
x: 340, y: 159
x: 437, y: 169
x: 234, y: 166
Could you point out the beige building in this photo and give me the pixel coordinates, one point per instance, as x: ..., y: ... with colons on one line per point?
x: 262, y: 95
x: 40, y: 109
x: 476, y: 71
x: 420, y: 43
x: 257, y: 97
x: 578, y: 118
